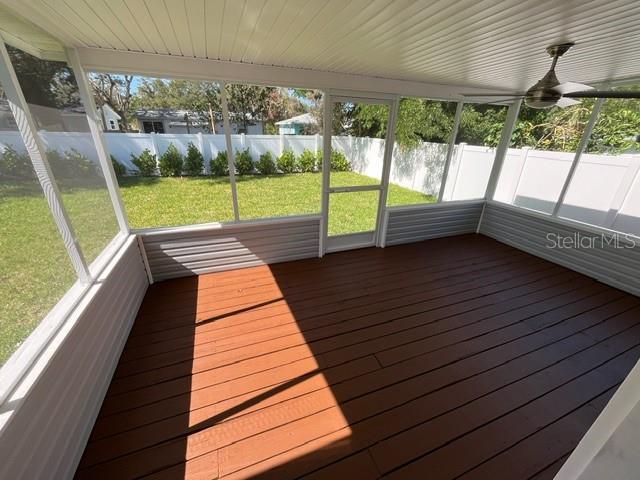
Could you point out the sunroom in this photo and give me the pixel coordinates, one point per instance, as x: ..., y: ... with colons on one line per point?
x: 283, y: 239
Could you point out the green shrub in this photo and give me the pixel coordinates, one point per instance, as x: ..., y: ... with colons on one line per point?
x: 319, y: 155
x: 307, y: 161
x: 15, y: 165
x: 194, y: 161
x: 266, y: 165
x: 287, y: 162
x: 219, y: 166
x: 118, y: 168
x: 171, y: 162
x: 79, y: 165
x: 146, y: 163
x: 244, y: 162
x: 71, y: 165
x: 339, y: 162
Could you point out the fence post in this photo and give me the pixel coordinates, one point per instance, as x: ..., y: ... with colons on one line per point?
x: 523, y: 154
x: 243, y: 141
x: 459, y: 155
x: 154, y: 149
x: 201, y: 147
x: 624, y: 191
x: 281, y: 144
x: 317, y: 143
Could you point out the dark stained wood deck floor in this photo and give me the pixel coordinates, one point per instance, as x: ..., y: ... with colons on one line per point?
x: 451, y: 358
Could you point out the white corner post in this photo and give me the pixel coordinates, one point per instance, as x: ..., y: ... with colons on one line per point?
x: 503, y: 146
x: 230, y: 155
x: 452, y: 146
x: 582, y: 146
x: 326, y: 166
x: 36, y: 150
x: 86, y: 96
x: 386, y: 172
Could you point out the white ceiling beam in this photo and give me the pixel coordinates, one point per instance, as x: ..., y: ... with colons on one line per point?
x: 168, y: 66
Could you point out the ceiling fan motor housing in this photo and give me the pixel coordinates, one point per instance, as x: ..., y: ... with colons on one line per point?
x: 542, y: 95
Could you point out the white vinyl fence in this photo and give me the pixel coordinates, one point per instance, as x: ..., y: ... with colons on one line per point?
x: 605, y: 190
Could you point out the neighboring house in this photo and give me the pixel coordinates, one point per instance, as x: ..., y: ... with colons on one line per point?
x: 71, y: 119
x: 297, y: 125
x: 110, y: 119
x: 183, y: 121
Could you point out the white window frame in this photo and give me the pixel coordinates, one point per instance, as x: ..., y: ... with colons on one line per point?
x: 15, y: 369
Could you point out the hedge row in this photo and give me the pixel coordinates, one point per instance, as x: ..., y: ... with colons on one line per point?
x: 69, y: 165
x: 73, y: 165
x: 172, y: 163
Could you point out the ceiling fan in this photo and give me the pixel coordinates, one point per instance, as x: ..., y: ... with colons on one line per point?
x: 549, y: 92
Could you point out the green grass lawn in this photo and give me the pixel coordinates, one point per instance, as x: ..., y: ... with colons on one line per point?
x: 35, y: 270
x: 160, y: 202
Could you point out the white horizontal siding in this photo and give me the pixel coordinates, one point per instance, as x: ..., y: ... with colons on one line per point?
x: 180, y: 252
x: 46, y: 435
x: 422, y: 222
x: 529, y: 231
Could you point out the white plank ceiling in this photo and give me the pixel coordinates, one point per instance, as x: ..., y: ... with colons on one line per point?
x: 484, y: 43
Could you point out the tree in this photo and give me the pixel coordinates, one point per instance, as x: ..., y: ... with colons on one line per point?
x: 198, y: 97
x: 248, y: 103
x: 115, y: 91
x: 419, y: 120
x: 312, y: 102
x: 45, y: 82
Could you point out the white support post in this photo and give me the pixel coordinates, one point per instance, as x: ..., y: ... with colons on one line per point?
x: 36, y: 150
x: 243, y: 141
x: 316, y: 145
x: 230, y: 155
x: 281, y: 144
x: 386, y: 171
x: 86, y: 96
x: 584, y: 140
x: 326, y: 166
x: 145, y: 259
x: 452, y: 145
x: 503, y: 146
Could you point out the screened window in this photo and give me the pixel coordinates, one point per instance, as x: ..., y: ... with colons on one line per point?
x: 422, y: 136
x: 52, y: 95
x: 35, y: 270
x: 605, y: 190
x: 475, y: 149
x: 278, y: 157
x: 542, y: 150
x: 174, y: 177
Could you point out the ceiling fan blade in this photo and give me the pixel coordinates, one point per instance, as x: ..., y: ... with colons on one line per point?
x: 566, y: 102
x: 603, y: 94
x: 506, y: 95
x: 499, y: 101
x: 569, y: 87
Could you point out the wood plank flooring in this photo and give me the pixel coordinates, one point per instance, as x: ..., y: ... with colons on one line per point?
x: 457, y: 358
